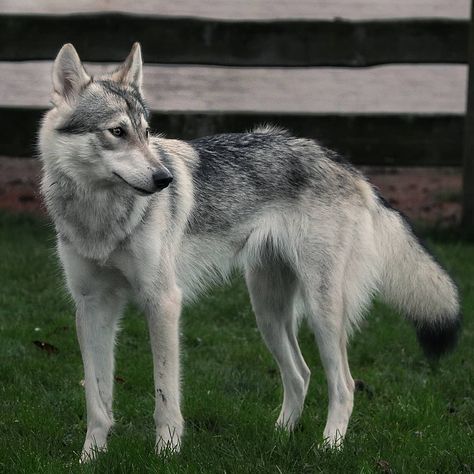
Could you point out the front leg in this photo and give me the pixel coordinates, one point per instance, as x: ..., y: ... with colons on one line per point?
x: 163, y: 311
x: 99, y: 303
x: 96, y: 324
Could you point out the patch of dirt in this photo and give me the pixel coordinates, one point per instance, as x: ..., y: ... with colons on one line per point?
x: 427, y: 195
x: 19, y: 185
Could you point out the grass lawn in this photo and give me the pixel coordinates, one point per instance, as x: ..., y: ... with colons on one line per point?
x: 409, y: 418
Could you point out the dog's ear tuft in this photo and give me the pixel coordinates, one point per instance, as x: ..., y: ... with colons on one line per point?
x: 69, y: 75
x: 130, y: 72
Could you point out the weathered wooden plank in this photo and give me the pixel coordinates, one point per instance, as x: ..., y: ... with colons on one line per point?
x: 391, y: 140
x: 419, y: 89
x: 468, y: 149
x: 108, y: 36
x: 253, y: 9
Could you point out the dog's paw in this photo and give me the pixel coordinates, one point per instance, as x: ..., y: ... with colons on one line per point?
x: 168, y: 440
x: 90, y: 452
x: 286, y: 422
x: 333, y: 441
x: 92, y: 449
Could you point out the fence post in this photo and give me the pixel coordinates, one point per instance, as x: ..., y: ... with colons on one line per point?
x: 468, y: 158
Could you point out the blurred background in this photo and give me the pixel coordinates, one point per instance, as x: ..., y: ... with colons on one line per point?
x: 383, y: 82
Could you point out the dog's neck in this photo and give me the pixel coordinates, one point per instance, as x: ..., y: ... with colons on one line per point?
x: 94, y: 220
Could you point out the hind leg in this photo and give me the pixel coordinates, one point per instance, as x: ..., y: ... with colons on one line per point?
x: 345, y: 361
x: 326, y: 318
x: 272, y: 290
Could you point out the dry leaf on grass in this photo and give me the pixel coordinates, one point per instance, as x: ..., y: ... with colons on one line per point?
x: 46, y: 346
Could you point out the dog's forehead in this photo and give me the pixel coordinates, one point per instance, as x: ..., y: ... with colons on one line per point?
x: 119, y: 99
x: 127, y: 95
x: 104, y: 101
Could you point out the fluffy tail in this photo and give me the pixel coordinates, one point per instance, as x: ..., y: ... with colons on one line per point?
x: 414, y: 282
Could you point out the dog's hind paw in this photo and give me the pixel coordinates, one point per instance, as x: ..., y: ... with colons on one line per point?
x: 287, y: 422
x: 90, y: 453
x: 95, y: 443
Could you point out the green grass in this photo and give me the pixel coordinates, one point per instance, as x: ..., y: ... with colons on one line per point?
x: 412, y: 418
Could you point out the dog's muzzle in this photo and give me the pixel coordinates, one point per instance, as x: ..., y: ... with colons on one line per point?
x: 162, y: 178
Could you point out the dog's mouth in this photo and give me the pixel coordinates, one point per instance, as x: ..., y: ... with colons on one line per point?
x: 136, y: 188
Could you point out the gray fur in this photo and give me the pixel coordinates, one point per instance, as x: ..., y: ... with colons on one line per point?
x: 96, y: 106
x: 239, y: 173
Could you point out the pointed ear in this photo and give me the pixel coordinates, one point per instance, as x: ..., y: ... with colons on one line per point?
x: 69, y: 75
x: 130, y: 72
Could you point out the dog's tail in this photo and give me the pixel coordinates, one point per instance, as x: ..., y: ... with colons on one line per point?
x: 414, y: 282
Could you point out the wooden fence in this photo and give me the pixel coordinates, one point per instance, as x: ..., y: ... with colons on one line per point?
x: 401, y: 139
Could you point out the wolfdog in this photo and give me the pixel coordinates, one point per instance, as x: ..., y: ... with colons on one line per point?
x: 156, y: 220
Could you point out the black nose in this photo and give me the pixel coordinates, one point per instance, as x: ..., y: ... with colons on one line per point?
x: 162, y: 178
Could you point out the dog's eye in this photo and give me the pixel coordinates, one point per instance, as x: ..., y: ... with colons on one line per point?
x: 117, y: 131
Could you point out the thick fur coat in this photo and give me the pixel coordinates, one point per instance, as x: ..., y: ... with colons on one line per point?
x: 154, y: 220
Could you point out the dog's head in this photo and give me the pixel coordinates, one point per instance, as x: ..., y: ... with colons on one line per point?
x: 97, y: 131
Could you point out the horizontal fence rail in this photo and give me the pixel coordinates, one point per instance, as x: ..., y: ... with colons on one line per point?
x: 380, y: 140
x: 251, y: 9
x: 389, y: 89
x: 170, y: 40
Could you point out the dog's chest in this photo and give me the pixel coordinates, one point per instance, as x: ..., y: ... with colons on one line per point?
x: 98, y: 225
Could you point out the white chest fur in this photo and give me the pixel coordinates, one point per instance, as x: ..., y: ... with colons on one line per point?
x: 97, y: 222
